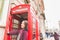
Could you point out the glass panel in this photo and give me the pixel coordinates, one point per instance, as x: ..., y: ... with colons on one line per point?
x: 15, y: 27
x: 15, y: 23
x: 14, y: 37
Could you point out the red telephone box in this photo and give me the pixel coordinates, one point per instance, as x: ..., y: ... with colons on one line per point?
x: 19, y: 13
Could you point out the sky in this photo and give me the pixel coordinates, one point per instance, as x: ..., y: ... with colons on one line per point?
x: 52, y: 13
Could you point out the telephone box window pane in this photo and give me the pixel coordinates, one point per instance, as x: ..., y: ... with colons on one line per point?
x: 15, y: 23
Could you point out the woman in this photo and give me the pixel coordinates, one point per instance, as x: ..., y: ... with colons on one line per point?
x: 22, y: 33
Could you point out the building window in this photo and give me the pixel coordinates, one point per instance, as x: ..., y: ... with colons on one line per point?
x: 26, y: 1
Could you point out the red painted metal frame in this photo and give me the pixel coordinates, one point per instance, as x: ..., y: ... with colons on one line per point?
x: 37, y: 30
x: 9, y: 21
x: 18, y: 8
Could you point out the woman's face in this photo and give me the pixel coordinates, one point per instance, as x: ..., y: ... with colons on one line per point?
x: 22, y: 25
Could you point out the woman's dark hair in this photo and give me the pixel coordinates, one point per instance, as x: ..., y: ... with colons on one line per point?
x: 55, y: 33
x: 26, y: 25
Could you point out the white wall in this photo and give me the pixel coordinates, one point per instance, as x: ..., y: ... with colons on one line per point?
x: 4, y: 13
x: 3, y: 18
x: 1, y: 33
